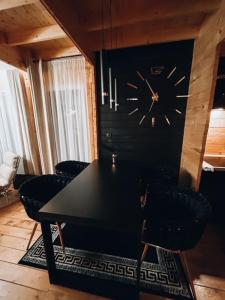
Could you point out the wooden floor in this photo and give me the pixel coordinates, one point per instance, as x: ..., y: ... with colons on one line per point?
x: 207, y: 264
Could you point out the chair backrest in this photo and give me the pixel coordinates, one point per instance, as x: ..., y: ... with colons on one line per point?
x: 70, y: 168
x: 9, y: 167
x: 176, y: 218
x: 37, y: 191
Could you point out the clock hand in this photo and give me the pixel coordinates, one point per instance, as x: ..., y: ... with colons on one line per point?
x: 155, y: 96
x: 151, y: 106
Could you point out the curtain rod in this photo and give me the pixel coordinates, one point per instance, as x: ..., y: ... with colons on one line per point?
x: 36, y: 59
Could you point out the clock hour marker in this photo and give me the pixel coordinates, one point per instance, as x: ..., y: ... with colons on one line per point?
x: 171, y: 73
x: 178, y: 111
x: 132, y: 85
x: 133, y: 111
x: 157, y: 70
x: 180, y: 80
x: 139, y: 74
x: 142, y: 119
x: 131, y: 99
x: 110, y: 88
x: 167, y: 120
x: 183, y: 96
x: 153, y: 122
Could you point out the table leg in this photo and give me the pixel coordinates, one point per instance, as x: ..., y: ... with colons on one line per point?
x: 138, y: 270
x: 49, y: 252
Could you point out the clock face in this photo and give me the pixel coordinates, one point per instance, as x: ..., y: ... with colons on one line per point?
x: 157, y: 96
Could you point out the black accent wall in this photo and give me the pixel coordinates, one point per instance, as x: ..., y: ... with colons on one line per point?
x: 120, y: 132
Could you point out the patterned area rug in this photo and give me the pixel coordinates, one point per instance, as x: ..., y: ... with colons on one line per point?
x: 161, y: 273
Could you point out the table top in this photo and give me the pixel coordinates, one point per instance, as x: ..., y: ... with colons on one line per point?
x: 102, y: 195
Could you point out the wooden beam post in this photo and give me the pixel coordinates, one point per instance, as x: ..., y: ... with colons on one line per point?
x: 56, y: 52
x: 144, y: 33
x: 94, y: 15
x: 202, y: 89
x: 35, y: 35
x: 12, y: 56
x: 8, y: 4
x: 66, y: 16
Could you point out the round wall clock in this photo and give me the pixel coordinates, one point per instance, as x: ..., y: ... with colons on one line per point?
x: 156, y: 97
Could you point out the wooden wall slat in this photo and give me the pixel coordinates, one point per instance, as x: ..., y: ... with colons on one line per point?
x: 202, y: 87
x: 215, y: 142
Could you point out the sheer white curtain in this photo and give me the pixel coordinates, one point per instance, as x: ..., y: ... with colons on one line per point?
x: 14, y: 133
x: 61, y: 113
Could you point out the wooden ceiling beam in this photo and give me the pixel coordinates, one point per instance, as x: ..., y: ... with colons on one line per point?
x: 65, y: 14
x: 3, y: 38
x: 35, y: 35
x: 124, y: 12
x: 142, y: 34
x: 8, y: 4
x: 55, y: 53
x: 12, y: 56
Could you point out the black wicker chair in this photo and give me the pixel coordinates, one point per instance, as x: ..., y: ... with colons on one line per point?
x: 70, y: 168
x: 174, y: 220
x: 36, y: 192
x: 158, y: 178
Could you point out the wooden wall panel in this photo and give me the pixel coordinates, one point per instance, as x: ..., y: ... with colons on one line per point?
x: 215, y: 142
x: 91, y: 94
x: 202, y: 87
x: 12, y: 56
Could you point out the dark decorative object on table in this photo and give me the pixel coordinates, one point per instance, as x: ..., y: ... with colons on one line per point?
x: 36, y: 192
x: 175, y: 220
x: 70, y: 168
x: 114, y: 158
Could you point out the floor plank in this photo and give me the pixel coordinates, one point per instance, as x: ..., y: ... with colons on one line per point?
x: 18, y: 232
x: 11, y: 255
x: 14, y: 242
x: 23, y: 275
x: 21, y: 223
x: 207, y: 259
x: 204, y: 293
x: 16, y: 215
x: 17, y: 282
x: 12, y: 291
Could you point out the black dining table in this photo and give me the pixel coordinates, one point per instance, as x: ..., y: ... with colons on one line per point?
x: 103, y: 196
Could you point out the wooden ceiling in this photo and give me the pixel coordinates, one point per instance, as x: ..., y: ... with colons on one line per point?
x: 54, y: 28
x: 98, y: 24
x: 28, y: 29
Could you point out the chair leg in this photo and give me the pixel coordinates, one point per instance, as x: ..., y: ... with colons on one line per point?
x: 32, y: 234
x: 61, y: 236
x: 188, y: 274
x: 144, y: 253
